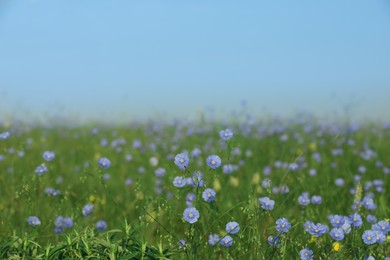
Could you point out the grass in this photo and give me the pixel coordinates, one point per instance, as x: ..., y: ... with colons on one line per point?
x: 144, y: 212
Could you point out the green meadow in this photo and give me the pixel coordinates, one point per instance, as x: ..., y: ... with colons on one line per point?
x: 311, y: 170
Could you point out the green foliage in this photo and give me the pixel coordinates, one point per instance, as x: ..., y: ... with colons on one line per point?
x: 152, y: 207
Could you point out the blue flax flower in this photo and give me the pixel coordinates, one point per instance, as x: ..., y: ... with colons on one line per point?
x: 208, y: 195
x: 213, y: 239
x: 282, y: 225
x: 190, y: 198
x: 227, y: 169
x: 306, y: 254
x: 316, y: 200
x: 179, y: 182
x: 371, y: 219
x: 318, y: 229
x: 213, y: 161
x: 368, y: 203
x: 101, y: 225
x: 4, y: 135
x: 62, y: 223
x: 181, y: 160
x: 274, y: 240
x: 304, y: 199
x: 48, y: 156
x: 356, y: 220
x: 369, y: 237
x: 232, y: 227
x: 87, y: 209
x: 226, y: 241
x: 337, y: 234
x: 380, y: 237
x: 41, y: 169
x: 104, y: 163
x: 191, y: 215
x: 266, y: 203
x: 226, y: 134
x: 33, y: 221
x: 337, y: 221
x: 382, y: 226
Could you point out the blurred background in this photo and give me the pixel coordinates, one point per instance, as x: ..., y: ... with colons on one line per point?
x: 118, y: 60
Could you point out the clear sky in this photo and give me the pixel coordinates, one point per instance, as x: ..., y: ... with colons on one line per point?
x: 142, y: 58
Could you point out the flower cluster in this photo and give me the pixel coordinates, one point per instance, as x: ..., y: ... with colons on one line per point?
x: 61, y: 223
x: 33, y: 221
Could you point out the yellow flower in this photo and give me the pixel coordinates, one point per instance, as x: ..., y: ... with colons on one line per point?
x: 313, y: 146
x: 91, y: 198
x: 313, y: 239
x: 234, y: 181
x: 217, y: 185
x: 256, y: 178
x: 336, y: 246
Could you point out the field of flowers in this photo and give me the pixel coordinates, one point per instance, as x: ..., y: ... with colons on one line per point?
x: 273, y: 189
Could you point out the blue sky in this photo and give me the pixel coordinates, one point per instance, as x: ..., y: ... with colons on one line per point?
x: 108, y: 59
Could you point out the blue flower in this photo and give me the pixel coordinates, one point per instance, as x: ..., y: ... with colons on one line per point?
x: 182, y: 244
x: 104, y: 163
x: 371, y: 219
x: 232, y: 227
x: 226, y: 134
x: 33, y: 221
x: 267, y: 203
x: 303, y: 199
x: 197, y: 179
x: 306, y: 254
x: 190, y: 199
x: 274, y: 240
x: 61, y: 223
x: 48, y: 155
x: 369, y: 237
x: 160, y: 172
x: 282, y: 225
x: 208, y: 195
x: 368, y: 203
x: 101, y: 225
x: 266, y: 183
x: 41, y: 169
x: 226, y: 241
x: 52, y: 192
x: 87, y: 209
x: 213, y: 239
x: 4, y: 135
x: 316, y: 200
x: 318, y: 229
x: 213, y: 161
x: 191, y: 215
x: 380, y: 237
x: 179, y: 182
x: 182, y: 160
x: 382, y: 226
x: 196, y: 153
x: 337, y: 234
x: 67, y: 222
x: 339, y: 182
x: 227, y: 169
x: 337, y: 221
x: 346, y: 227
x: 356, y: 220
x: 128, y: 181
